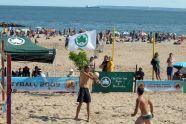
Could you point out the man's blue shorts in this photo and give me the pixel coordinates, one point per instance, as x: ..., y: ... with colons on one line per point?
x: 169, y: 71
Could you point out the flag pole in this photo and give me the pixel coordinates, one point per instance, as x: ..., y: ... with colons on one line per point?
x: 113, y: 44
x: 153, y: 52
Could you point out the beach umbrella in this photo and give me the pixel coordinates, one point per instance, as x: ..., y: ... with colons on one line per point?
x: 25, y: 29
x: 143, y: 34
x: 179, y: 65
x: 18, y: 30
x: 126, y: 33
x: 117, y: 33
x: 38, y: 27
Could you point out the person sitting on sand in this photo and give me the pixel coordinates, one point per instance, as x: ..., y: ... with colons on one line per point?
x: 178, y: 75
x: 86, y: 78
x: 143, y: 103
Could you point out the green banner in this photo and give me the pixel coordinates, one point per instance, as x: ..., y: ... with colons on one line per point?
x: 115, y: 82
x: 184, y: 86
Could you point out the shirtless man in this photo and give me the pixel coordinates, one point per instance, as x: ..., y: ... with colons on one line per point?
x: 143, y: 104
x: 86, y: 78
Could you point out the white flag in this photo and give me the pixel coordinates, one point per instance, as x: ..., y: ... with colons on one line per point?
x: 86, y: 40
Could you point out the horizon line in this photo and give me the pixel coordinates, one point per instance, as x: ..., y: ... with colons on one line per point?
x: 93, y: 6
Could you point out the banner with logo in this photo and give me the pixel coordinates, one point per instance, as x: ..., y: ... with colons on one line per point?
x: 40, y: 84
x: 163, y: 85
x: 115, y: 82
x: 16, y: 41
x: 86, y: 40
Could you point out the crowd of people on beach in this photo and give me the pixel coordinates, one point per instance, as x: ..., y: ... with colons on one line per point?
x: 102, y: 36
x: 135, y: 36
x: 178, y: 75
x: 108, y: 66
x: 25, y: 72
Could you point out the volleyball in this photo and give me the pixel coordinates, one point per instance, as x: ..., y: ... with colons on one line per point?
x: 96, y: 74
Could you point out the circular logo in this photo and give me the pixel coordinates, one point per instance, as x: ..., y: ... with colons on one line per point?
x: 16, y: 41
x: 81, y: 40
x: 105, y: 82
x: 177, y: 86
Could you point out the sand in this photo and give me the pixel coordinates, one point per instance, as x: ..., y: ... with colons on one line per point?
x: 109, y: 108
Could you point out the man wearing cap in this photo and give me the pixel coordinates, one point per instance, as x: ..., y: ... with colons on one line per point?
x: 71, y: 73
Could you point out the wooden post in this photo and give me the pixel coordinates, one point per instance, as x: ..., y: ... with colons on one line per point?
x: 9, y: 89
x: 3, y: 69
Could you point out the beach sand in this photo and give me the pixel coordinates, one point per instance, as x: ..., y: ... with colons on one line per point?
x: 109, y: 108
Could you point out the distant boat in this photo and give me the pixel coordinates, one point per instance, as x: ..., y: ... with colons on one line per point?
x: 92, y: 6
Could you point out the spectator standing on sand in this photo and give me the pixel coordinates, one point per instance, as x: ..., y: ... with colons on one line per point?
x: 36, y: 41
x: 170, y: 66
x: 139, y: 74
x: 66, y: 41
x: 91, y: 64
x: 156, y: 65
x: 103, y: 66
x: 110, y: 65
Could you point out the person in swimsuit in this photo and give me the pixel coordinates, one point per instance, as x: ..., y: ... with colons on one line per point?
x: 86, y: 78
x: 143, y: 104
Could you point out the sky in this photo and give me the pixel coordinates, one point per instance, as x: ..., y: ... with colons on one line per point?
x: 83, y: 3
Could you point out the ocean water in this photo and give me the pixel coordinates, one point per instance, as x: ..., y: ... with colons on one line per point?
x: 96, y: 18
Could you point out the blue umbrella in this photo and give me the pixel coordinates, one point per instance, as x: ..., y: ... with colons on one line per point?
x: 180, y: 65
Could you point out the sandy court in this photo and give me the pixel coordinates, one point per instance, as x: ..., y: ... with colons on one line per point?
x: 109, y: 108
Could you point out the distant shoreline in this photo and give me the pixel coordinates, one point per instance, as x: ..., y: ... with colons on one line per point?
x: 107, y: 7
